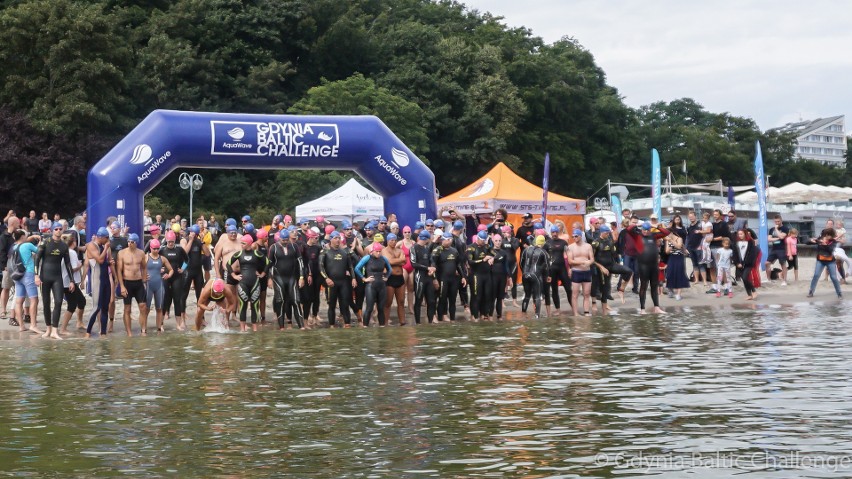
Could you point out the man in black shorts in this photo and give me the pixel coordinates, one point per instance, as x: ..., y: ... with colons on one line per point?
x: 131, y: 272
x: 777, y: 249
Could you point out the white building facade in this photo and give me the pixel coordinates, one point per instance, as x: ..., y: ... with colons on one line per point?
x: 822, y: 140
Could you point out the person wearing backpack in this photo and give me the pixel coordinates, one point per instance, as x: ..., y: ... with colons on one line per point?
x: 25, y: 287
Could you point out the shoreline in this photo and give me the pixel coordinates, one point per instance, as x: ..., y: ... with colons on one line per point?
x: 695, y: 297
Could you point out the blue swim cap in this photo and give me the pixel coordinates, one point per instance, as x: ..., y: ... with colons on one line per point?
x: 230, y: 229
x: 278, y: 217
x: 291, y: 229
x: 537, y: 225
x: 429, y: 222
x: 230, y: 221
x: 346, y: 224
x: 194, y: 229
x: 334, y: 234
x: 249, y: 228
x: 303, y: 221
x: 370, y: 226
x: 578, y: 232
x: 103, y: 232
x: 482, y: 235
x: 56, y: 225
x: 458, y: 226
x: 133, y: 237
x: 383, y: 219
x: 246, y: 218
x: 439, y: 223
x: 391, y: 236
x: 448, y: 235
x: 424, y: 235
x: 646, y: 226
x: 554, y: 229
x: 605, y: 229
x: 418, y: 225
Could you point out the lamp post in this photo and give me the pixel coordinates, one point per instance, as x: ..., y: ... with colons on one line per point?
x: 192, y: 183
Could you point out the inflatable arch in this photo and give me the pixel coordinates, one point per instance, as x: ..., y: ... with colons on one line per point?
x: 166, y: 140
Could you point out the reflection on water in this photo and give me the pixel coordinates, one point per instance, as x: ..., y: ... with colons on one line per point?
x: 702, y: 393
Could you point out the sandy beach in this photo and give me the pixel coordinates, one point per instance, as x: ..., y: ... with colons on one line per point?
x: 769, y: 294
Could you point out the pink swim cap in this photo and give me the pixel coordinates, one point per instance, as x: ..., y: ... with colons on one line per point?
x: 506, y: 229
x: 170, y: 235
x: 495, y: 237
x: 377, y: 246
x: 406, y: 229
x: 481, y: 228
x: 218, y: 286
x: 540, y: 232
x: 277, y: 237
x: 288, y: 218
x: 155, y: 244
x: 328, y: 228
x: 262, y: 234
x: 247, y: 239
x: 320, y: 219
x: 312, y: 234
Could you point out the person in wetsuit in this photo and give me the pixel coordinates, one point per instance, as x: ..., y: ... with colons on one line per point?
x: 557, y: 250
x: 499, y: 275
x: 511, y: 245
x: 101, y: 278
x: 534, y: 269
x: 480, y: 257
x: 48, y: 269
x: 313, y: 280
x: 248, y: 267
x: 606, y: 259
x: 195, y: 251
x: 336, y: 269
x: 288, y: 276
x: 448, y: 264
x: 176, y: 256
x: 424, y: 275
x: 374, y: 269
x: 648, y: 260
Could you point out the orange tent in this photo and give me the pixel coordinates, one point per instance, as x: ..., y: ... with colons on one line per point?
x: 503, y: 188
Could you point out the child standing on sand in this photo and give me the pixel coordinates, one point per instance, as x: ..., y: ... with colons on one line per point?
x: 723, y: 267
x: 792, y: 253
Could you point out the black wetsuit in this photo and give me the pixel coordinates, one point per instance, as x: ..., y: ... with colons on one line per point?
x: 287, y: 268
x: 252, y: 264
x: 556, y: 248
x: 375, y: 292
x: 607, y: 256
x: 194, y: 274
x: 174, y: 285
x: 511, y: 246
x: 311, y: 292
x: 460, y: 246
x: 535, y: 265
x: 648, y: 263
x: 450, y: 272
x: 423, y: 285
x: 48, y: 263
x: 499, y: 275
x: 481, y: 288
x: 336, y: 264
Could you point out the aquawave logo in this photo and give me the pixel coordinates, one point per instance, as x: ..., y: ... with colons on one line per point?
x: 399, y: 159
x: 287, y: 139
x: 144, y: 155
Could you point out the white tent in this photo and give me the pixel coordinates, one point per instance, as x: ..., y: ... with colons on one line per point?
x: 351, y: 201
x: 800, y: 193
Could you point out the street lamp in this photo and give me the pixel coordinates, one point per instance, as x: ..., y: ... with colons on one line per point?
x: 192, y: 183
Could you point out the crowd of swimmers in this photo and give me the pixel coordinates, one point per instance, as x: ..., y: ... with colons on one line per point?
x: 360, y: 270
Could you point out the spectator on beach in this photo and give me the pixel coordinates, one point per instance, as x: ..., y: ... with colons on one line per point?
x: 31, y: 223
x: 778, y: 249
x: 44, y: 223
x: 826, y: 246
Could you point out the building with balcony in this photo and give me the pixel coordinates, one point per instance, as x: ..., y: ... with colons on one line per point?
x: 822, y: 140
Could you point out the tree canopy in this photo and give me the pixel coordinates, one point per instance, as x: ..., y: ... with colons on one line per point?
x: 461, y: 89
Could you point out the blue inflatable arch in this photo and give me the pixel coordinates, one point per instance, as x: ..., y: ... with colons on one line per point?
x: 166, y: 140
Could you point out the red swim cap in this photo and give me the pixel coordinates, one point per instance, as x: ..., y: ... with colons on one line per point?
x: 377, y: 246
x: 262, y: 234
x: 328, y: 228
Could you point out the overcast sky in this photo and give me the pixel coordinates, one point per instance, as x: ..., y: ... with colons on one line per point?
x: 773, y: 61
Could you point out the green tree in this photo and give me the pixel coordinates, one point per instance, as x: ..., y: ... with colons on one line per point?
x: 64, y: 63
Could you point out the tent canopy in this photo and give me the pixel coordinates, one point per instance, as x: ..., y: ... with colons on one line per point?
x: 503, y: 188
x: 800, y: 193
x: 351, y: 201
